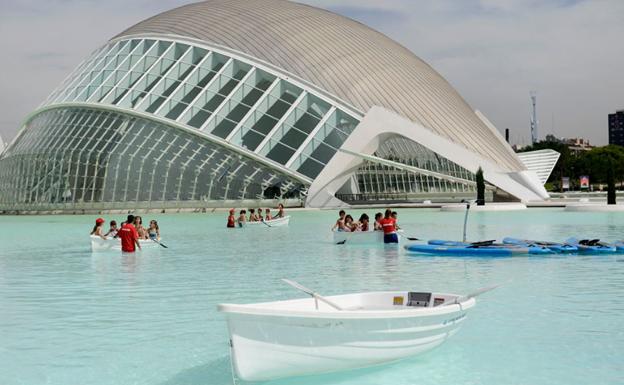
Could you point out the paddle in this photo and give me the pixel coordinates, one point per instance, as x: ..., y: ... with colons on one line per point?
x: 266, y: 223
x: 162, y: 244
x: 346, y: 238
x: 483, y: 243
x: 311, y: 293
x: 471, y: 295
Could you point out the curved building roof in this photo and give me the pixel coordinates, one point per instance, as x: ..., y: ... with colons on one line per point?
x: 341, y: 56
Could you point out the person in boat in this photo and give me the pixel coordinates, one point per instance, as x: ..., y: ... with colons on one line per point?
x: 267, y: 215
x: 389, y: 228
x: 395, y: 216
x: 97, y: 229
x: 153, y: 231
x: 231, y: 220
x: 377, y: 225
x: 350, y: 224
x: 242, y: 218
x: 260, y: 217
x: 280, y: 211
x: 112, y: 231
x: 129, y: 236
x: 364, y: 226
x: 252, y: 215
x: 138, y: 225
x: 340, y: 223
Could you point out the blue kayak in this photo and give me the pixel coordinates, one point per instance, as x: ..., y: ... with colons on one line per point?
x: 592, y: 246
x: 443, y: 242
x: 467, y: 250
x: 560, y: 248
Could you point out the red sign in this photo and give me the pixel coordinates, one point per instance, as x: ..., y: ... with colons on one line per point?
x: 584, y: 181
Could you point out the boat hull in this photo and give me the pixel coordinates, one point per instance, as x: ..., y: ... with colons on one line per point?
x: 265, y: 347
x: 99, y: 244
x: 361, y: 237
x: 279, y: 222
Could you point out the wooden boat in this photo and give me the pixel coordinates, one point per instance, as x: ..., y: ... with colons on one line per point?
x: 110, y: 243
x: 276, y: 222
x: 315, y: 335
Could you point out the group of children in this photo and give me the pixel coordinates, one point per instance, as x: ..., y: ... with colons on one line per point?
x: 254, y: 216
x: 386, y: 222
x: 152, y: 232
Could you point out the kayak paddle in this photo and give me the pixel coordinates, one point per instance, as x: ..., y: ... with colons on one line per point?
x: 162, y: 244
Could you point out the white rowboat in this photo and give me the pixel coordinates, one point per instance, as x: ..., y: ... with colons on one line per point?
x: 361, y: 237
x: 305, y: 336
x: 276, y: 222
x: 110, y: 243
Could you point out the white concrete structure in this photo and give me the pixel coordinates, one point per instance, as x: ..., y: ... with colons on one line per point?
x: 594, y: 207
x: 541, y: 162
x: 514, y: 206
x: 239, y: 100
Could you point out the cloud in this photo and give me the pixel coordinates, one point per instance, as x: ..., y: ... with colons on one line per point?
x: 493, y: 51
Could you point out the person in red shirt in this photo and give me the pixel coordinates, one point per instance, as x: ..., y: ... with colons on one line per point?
x: 129, y: 236
x: 231, y: 221
x: 388, y: 224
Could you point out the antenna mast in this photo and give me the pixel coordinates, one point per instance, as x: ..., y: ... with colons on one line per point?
x: 534, y: 117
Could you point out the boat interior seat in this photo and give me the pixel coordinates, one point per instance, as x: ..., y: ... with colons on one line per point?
x: 418, y: 299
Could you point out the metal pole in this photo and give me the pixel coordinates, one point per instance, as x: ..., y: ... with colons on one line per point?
x: 466, y: 220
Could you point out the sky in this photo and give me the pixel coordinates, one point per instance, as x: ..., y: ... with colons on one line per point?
x: 494, y: 52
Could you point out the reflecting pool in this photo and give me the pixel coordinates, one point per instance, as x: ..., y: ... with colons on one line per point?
x: 70, y: 316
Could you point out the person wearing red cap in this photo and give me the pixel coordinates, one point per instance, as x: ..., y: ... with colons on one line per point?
x: 231, y: 221
x: 97, y: 229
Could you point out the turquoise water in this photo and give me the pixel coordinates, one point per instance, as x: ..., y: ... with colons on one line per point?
x: 68, y: 316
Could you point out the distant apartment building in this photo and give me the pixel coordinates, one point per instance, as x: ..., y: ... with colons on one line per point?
x: 616, y: 128
x: 575, y: 145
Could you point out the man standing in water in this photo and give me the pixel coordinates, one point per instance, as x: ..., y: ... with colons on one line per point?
x: 129, y: 236
x: 388, y: 224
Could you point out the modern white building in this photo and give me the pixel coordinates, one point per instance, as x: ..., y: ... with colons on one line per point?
x: 541, y: 162
x: 228, y: 101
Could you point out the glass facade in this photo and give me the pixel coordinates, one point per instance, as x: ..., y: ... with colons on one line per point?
x: 77, y: 156
x: 374, y: 178
x: 215, y: 94
x: 74, y: 154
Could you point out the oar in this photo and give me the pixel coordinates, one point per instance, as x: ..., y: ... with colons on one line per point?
x: 162, y: 244
x: 314, y: 295
x: 346, y: 238
x: 471, y: 295
x: 408, y: 238
x: 266, y: 223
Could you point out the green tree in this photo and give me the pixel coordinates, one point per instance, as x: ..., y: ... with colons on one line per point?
x: 480, y: 187
x: 601, y: 161
x: 610, y: 184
